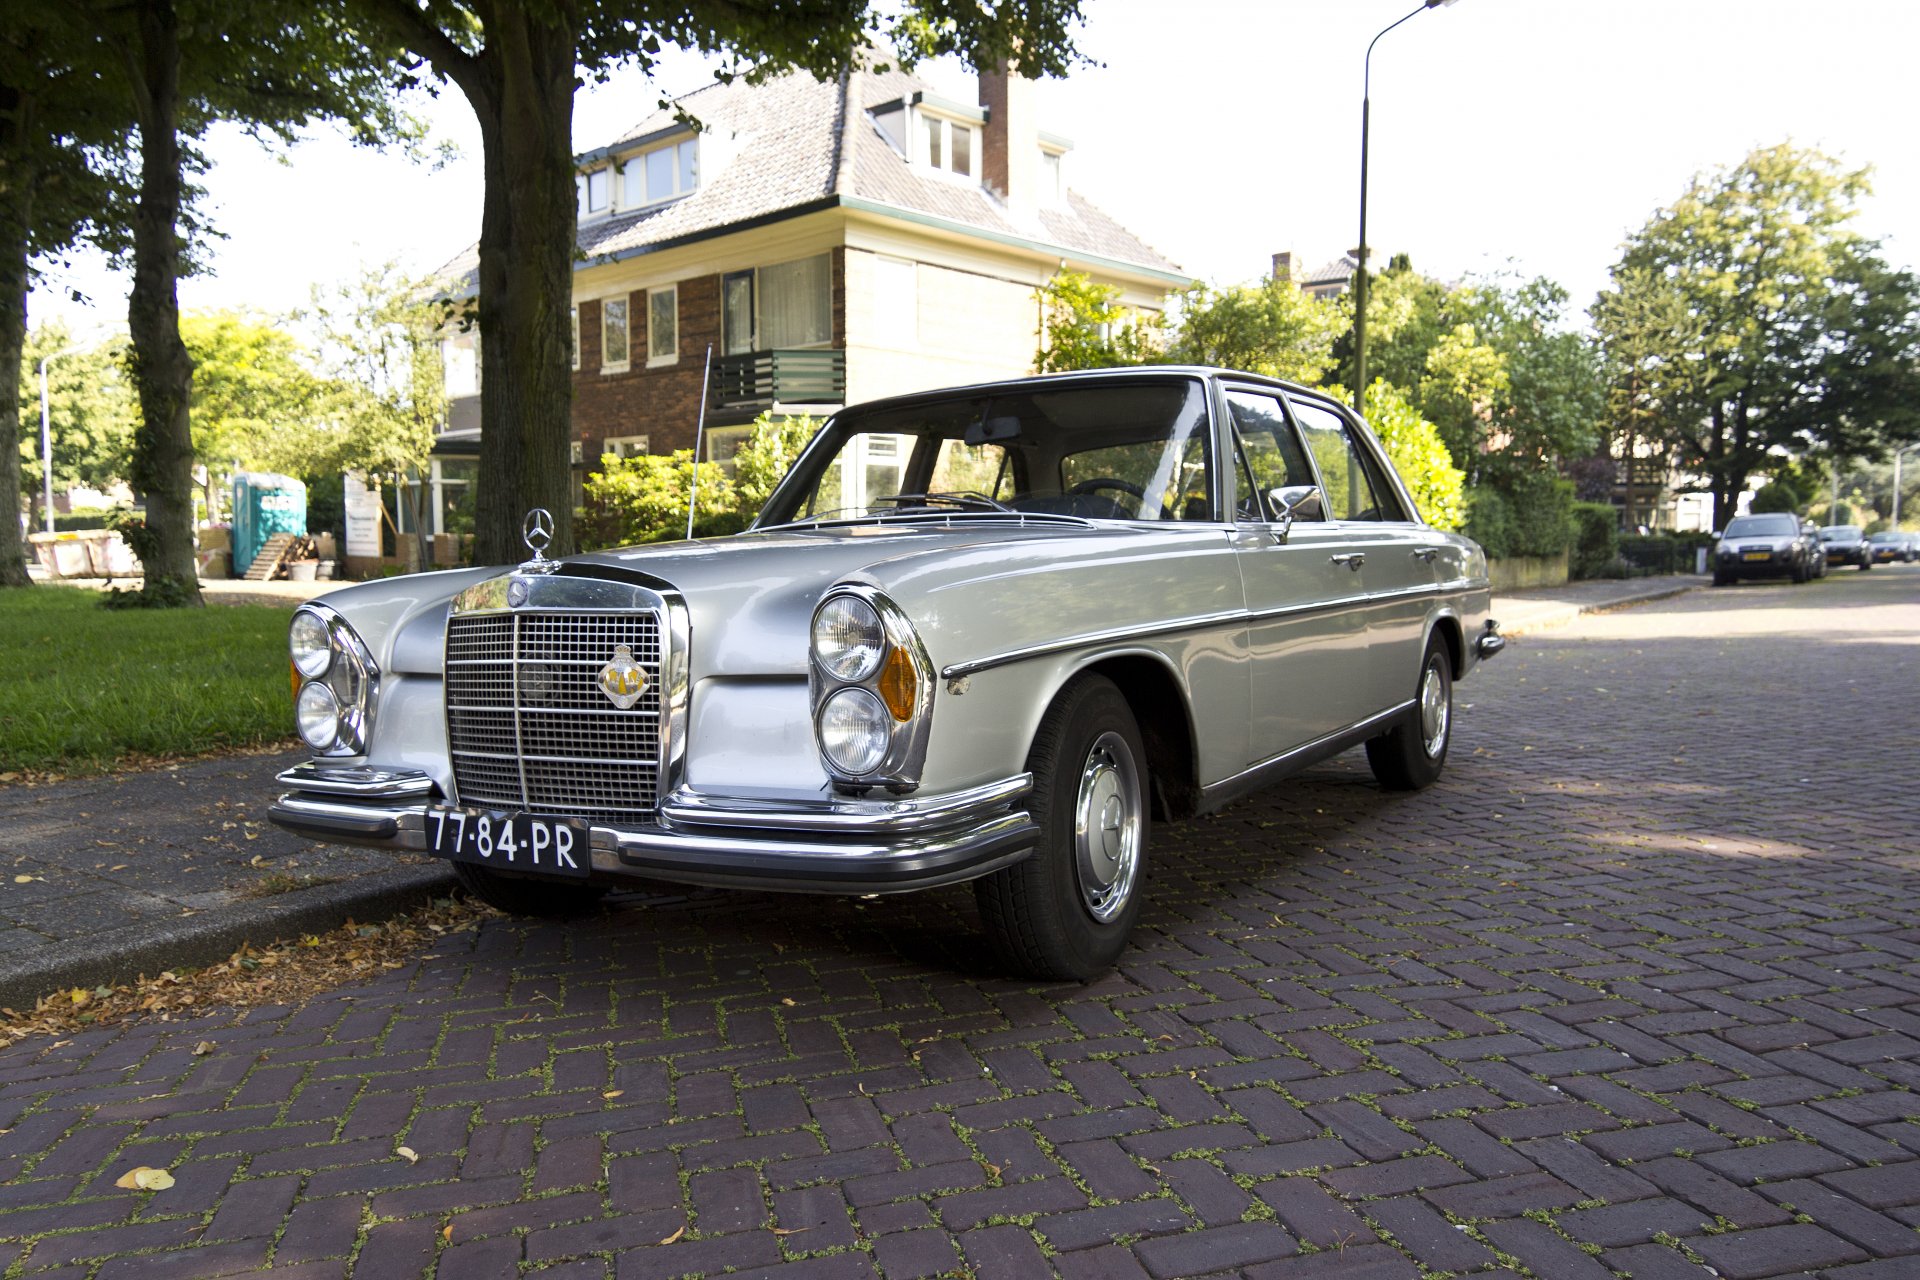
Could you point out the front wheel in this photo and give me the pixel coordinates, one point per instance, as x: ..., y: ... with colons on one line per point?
x: 1866, y: 563
x: 1411, y: 755
x: 1065, y: 912
x: 528, y: 895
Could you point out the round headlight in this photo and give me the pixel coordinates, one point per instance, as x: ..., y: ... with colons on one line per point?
x: 311, y: 645
x: 318, y: 715
x: 854, y: 730
x: 848, y: 638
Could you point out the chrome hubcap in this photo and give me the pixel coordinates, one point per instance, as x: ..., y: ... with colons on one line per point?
x: 1106, y: 820
x: 1436, y: 709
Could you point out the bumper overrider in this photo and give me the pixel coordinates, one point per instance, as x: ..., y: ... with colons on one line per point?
x: 829, y: 844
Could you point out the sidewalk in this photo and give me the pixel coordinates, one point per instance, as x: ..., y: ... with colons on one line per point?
x: 216, y: 590
x: 1541, y: 609
x: 102, y: 879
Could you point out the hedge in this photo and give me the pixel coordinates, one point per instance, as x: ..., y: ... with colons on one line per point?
x: 1596, y: 540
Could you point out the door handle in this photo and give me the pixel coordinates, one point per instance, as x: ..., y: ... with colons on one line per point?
x: 1353, y: 561
x: 1426, y: 553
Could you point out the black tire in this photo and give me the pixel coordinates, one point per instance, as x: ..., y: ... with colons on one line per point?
x: 528, y: 895
x: 1866, y: 563
x: 1411, y: 755
x: 1802, y: 573
x: 1052, y: 916
x: 1721, y: 580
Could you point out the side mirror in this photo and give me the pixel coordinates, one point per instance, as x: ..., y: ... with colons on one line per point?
x: 1716, y: 533
x: 1294, y: 502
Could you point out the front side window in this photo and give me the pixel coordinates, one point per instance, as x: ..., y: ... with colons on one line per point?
x: 663, y: 324
x: 1137, y: 451
x: 614, y: 349
x: 1351, y: 487
x: 1270, y: 452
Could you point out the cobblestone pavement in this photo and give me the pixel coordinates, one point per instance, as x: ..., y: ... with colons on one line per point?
x: 1632, y: 991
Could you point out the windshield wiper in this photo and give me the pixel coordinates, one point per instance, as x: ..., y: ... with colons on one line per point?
x: 964, y: 499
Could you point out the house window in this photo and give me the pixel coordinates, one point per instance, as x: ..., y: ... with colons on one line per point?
x: 614, y: 350
x: 663, y: 325
x: 796, y: 303
x: 462, y: 363
x: 892, y: 123
x: 574, y: 339
x: 596, y: 191
x: 1053, y: 186
x: 723, y: 443
x: 950, y: 145
x: 662, y: 174
x: 625, y: 446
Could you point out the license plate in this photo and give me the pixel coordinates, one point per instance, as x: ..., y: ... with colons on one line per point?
x: 509, y: 841
x: 1759, y: 555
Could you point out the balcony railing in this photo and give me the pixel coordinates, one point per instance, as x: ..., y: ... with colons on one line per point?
x: 743, y: 385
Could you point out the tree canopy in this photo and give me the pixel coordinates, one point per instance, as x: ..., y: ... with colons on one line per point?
x: 1749, y: 321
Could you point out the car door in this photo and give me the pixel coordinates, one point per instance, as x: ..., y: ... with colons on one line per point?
x: 1402, y: 559
x: 1306, y: 631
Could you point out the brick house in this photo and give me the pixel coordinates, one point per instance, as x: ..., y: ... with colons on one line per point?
x: 833, y: 242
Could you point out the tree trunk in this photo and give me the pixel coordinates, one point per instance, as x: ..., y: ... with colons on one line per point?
x: 162, y: 370
x: 17, y: 183
x: 526, y: 282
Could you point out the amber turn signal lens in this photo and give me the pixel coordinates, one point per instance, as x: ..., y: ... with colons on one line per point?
x: 293, y: 674
x: 897, y: 684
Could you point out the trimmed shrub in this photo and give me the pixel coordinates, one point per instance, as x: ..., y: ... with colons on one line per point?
x: 1596, y: 540
x: 1489, y: 522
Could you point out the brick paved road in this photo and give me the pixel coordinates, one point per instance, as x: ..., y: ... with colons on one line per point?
x: 1634, y: 991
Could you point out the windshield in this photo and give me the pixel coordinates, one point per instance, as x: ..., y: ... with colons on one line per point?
x: 1763, y: 527
x: 1136, y: 451
x: 1888, y: 537
x: 1840, y: 533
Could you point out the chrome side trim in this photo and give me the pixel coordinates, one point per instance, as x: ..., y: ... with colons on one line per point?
x: 958, y: 670
x: 1274, y: 768
x: 362, y: 782
x: 689, y: 808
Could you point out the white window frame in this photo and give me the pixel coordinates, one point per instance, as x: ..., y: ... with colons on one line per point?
x: 625, y: 302
x: 944, y: 126
x: 655, y: 359
x: 633, y: 174
x: 576, y: 337
x: 587, y: 208
x: 625, y: 446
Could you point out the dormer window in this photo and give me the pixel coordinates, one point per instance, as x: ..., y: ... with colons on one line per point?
x: 933, y: 133
x: 664, y: 173
x: 950, y: 146
x: 596, y: 191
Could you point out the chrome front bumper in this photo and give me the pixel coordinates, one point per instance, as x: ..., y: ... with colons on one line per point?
x: 829, y: 844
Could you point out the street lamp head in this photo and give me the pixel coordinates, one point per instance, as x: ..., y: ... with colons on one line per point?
x: 1440, y: 4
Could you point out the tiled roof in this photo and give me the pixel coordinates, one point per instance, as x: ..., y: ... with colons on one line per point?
x: 792, y: 142
x: 1339, y: 271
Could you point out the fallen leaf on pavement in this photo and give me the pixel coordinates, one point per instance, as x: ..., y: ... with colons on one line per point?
x: 408, y: 1154
x: 144, y: 1179
x: 202, y: 1049
x: 676, y: 1235
x: 613, y: 1093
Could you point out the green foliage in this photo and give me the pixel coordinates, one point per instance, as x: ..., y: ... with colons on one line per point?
x: 1272, y: 328
x: 254, y: 401
x: 90, y: 409
x: 1777, y: 495
x: 1437, y: 486
x: 81, y: 688
x: 1748, y: 319
x: 1084, y: 325
x: 1596, y: 540
x: 644, y: 499
x: 762, y: 462
x: 1490, y: 521
x: 1520, y: 512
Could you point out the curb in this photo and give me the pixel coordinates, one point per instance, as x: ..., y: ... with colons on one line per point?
x: 120, y: 955
x: 1549, y: 617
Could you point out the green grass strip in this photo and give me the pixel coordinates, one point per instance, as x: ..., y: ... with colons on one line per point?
x: 82, y: 686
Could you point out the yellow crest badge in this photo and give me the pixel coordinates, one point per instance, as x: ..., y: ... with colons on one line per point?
x: 623, y: 680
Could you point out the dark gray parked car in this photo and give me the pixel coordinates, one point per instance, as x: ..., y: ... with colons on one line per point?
x: 1847, y: 545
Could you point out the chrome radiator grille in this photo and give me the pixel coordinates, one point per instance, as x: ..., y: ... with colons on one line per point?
x: 530, y: 729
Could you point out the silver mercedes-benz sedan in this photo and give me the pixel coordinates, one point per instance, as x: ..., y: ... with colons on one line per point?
x: 985, y: 634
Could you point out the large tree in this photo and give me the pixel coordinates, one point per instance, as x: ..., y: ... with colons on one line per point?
x: 1799, y: 335
x: 1271, y: 327
x: 518, y: 62
x: 272, y: 67
x: 253, y: 394
x: 62, y: 156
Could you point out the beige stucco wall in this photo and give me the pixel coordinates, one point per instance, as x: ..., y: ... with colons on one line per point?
x: 965, y: 327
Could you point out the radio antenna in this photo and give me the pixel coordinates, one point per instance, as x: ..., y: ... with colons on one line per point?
x: 699, y: 431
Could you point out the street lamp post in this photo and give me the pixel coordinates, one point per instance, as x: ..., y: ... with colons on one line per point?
x: 1360, y: 272
x: 46, y: 436
x: 1897, y: 455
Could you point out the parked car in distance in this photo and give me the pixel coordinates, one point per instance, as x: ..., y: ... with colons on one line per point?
x: 988, y: 634
x: 1890, y: 547
x: 1811, y: 532
x: 1846, y: 545
x: 1771, y: 545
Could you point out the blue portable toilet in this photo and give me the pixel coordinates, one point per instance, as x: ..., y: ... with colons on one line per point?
x: 264, y: 504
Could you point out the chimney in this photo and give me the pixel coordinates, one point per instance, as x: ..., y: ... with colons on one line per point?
x: 1283, y: 265
x: 1010, y: 151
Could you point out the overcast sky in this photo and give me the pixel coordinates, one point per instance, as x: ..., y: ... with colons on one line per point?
x: 1534, y: 134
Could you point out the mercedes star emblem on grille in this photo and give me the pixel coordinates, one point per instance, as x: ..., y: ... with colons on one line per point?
x: 623, y: 680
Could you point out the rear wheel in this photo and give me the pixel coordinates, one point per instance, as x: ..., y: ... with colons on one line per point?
x: 1412, y: 754
x: 1866, y: 563
x: 528, y: 895
x: 1065, y: 912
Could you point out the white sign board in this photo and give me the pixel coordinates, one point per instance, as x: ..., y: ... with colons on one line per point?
x: 363, y: 518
